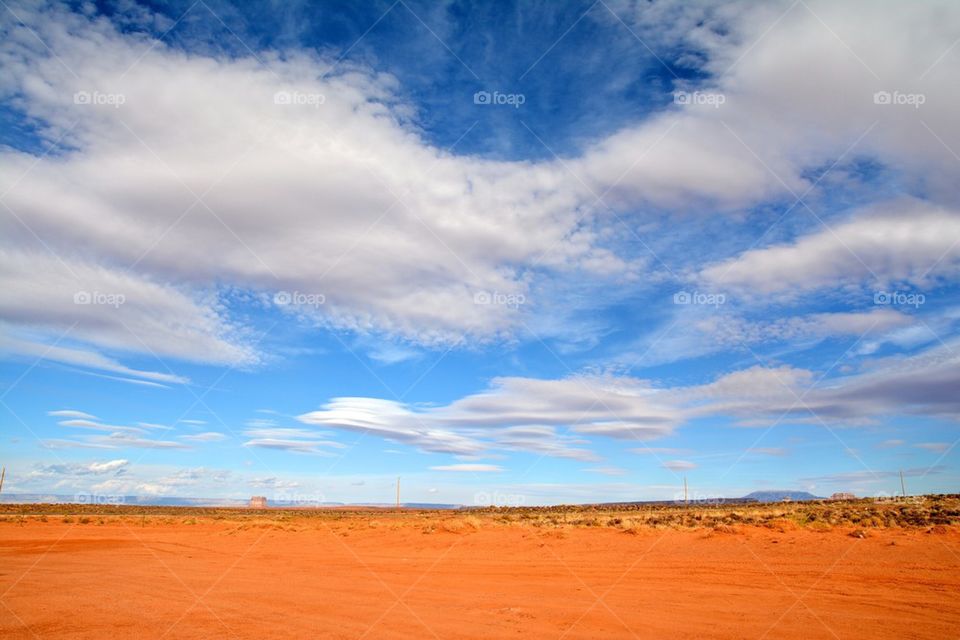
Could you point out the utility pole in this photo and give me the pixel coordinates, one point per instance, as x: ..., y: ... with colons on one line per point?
x: 903, y: 488
x: 3, y: 474
x: 398, y: 493
x: 685, y: 501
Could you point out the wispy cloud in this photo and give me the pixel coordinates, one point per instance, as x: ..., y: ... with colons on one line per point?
x: 294, y: 440
x: 892, y: 443
x: 654, y: 451
x: 768, y: 451
x: 607, y: 471
x: 114, y: 467
x: 71, y: 413
x: 679, y: 465
x: 474, y: 468
x: 515, y: 413
x: 873, y: 476
x: 935, y: 447
x: 207, y: 436
x: 272, y: 482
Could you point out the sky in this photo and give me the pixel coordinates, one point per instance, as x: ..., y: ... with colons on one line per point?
x: 512, y: 253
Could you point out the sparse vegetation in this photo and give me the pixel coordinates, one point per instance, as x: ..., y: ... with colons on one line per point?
x: 929, y: 513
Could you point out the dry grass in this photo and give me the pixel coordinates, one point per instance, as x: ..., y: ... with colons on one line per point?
x: 930, y: 513
x: 461, y: 525
x: 918, y: 512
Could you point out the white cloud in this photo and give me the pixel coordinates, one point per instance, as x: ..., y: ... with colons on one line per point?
x: 515, y: 414
x: 112, y: 309
x: 651, y: 451
x: 935, y: 447
x: 114, y: 467
x: 98, y: 426
x: 157, y: 483
x: 481, y: 468
x: 374, y: 229
x: 121, y: 440
x: 61, y: 443
x: 906, y: 241
x: 697, y: 332
x: 191, y: 125
x: 80, y: 358
x: 107, y: 467
x: 607, y: 471
x: 71, y: 413
x: 551, y: 416
x: 427, y: 229
x: 545, y: 440
x: 190, y: 476
x: 920, y: 384
x: 872, y: 476
x: 298, y: 446
x: 154, y: 426
x: 768, y: 451
x: 272, y: 482
x: 391, y: 420
x: 116, y: 437
x: 679, y: 465
x: 818, y: 325
x: 388, y: 354
x: 207, y: 436
x: 287, y: 439
x: 260, y: 422
x: 589, y: 404
x: 266, y: 436
x: 760, y: 56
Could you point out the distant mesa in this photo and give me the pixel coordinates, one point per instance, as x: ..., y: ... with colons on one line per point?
x: 258, y: 502
x: 843, y: 495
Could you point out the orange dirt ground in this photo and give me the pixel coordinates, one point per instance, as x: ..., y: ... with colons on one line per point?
x: 369, y: 578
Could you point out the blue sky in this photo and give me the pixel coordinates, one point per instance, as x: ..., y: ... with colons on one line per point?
x: 515, y: 253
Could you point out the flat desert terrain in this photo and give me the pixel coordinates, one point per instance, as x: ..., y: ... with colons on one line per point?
x: 493, y: 574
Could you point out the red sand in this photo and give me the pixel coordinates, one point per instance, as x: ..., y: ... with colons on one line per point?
x: 354, y: 580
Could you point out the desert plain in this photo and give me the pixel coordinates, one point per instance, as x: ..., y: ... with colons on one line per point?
x: 858, y: 569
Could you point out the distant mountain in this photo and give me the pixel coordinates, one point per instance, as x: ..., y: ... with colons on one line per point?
x: 170, y: 501
x: 780, y: 496
x: 153, y: 501
x: 405, y: 505
x: 166, y: 501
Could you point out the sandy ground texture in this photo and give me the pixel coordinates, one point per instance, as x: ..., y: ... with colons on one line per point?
x: 465, y: 578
